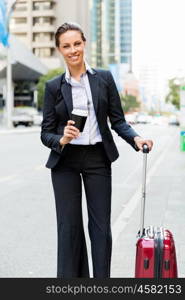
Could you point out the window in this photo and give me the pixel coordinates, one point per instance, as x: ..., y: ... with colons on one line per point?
x: 37, y: 5
x: 47, y: 5
x: 125, y: 4
x: 47, y: 20
x: 36, y: 21
x: 47, y: 37
x: 22, y: 36
x: 36, y: 37
x: 124, y: 59
x: 126, y: 48
x: 43, y: 37
x: 20, y: 20
x: 21, y: 6
x: 43, y: 52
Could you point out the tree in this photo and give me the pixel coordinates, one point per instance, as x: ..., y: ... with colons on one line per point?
x: 173, y: 96
x: 129, y: 102
x: 41, y: 84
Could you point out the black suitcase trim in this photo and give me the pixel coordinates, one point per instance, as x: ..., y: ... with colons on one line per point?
x: 158, y: 256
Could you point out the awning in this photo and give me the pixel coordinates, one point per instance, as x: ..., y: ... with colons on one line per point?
x: 25, y: 65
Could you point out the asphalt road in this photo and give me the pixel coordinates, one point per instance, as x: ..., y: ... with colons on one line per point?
x: 27, y: 209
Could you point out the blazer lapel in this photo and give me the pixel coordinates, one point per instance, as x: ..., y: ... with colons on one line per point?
x: 67, y: 94
x: 94, y: 85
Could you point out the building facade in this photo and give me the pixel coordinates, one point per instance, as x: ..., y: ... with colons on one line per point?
x: 96, y: 32
x: 77, y: 11
x: 125, y: 8
x: 34, y: 22
x: 102, y: 18
x: 111, y: 32
x: 107, y: 25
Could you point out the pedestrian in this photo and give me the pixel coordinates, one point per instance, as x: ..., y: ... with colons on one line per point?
x: 85, y: 156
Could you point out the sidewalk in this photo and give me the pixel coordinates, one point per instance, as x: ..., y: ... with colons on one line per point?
x: 165, y: 207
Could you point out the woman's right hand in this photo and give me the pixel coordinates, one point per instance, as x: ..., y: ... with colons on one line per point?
x: 70, y: 132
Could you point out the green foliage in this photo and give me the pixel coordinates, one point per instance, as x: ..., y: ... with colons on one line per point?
x: 173, y: 96
x: 129, y: 103
x: 41, y: 84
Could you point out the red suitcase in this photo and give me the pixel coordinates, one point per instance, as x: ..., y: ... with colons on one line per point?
x: 155, y: 248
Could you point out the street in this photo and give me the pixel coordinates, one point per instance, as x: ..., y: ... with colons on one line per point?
x: 27, y: 207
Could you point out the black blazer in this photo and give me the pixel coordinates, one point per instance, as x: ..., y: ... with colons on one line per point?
x: 58, y: 106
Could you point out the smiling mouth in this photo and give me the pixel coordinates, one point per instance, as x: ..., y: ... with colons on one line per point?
x: 74, y: 57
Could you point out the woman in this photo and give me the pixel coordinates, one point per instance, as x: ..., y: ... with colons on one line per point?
x: 83, y: 156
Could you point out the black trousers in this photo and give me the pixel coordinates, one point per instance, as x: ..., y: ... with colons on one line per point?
x: 90, y: 164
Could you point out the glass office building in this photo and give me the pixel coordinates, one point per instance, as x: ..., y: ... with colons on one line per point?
x: 126, y: 31
x: 111, y: 32
x: 96, y: 33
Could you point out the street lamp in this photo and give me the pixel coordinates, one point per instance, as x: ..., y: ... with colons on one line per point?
x: 181, y: 83
x: 9, y: 87
x: 6, y: 8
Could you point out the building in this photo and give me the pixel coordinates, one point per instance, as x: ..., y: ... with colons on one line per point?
x: 111, y: 32
x: 111, y: 37
x: 107, y: 25
x: 102, y: 14
x: 96, y: 32
x: 125, y: 9
x: 77, y: 11
x: 34, y: 22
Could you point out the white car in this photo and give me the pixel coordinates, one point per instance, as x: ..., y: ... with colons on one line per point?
x: 26, y: 116
x: 173, y: 120
x: 142, y: 118
x: 130, y: 118
x: 20, y: 117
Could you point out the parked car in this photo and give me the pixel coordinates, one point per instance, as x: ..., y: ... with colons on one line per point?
x: 142, y: 118
x: 26, y: 116
x: 149, y: 119
x: 37, y: 117
x: 173, y: 120
x: 159, y: 120
x: 20, y: 117
x: 131, y: 118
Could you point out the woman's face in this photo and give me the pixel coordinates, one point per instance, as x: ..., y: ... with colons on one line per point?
x: 71, y: 46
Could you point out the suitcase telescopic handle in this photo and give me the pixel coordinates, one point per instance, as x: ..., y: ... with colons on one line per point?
x: 145, y: 148
x: 143, y: 199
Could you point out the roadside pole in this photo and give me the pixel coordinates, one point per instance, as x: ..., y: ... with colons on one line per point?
x: 182, y: 105
x: 9, y: 84
x: 9, y: 90
x: 182, y: 115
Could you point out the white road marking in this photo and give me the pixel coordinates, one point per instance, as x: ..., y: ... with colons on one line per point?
x: 39, y: 167
x: 7, y: 178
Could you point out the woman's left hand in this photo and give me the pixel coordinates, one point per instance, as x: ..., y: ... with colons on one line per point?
x: 139, y: 141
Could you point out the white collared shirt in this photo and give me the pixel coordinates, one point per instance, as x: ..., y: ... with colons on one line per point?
x: 82, y: 99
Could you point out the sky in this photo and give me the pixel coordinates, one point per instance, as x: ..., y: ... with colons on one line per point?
x: 159, y: 35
